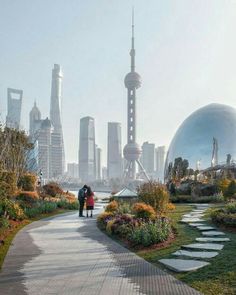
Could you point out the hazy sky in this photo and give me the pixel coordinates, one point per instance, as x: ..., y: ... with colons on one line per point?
x: 185, y: 53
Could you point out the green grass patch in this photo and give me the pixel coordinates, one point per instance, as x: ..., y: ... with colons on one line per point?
x: 14, y: 230
x: 219, y: 278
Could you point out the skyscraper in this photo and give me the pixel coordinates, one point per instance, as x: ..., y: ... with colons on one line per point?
x: 114, y: 152
x: 14, y: 105
x: 57, y: 159
x: 73, y: 170
x: 98, y: 163
x: 132, y: 150
x: 160, y: 162
x: 148, y: 158
x: 87, y: 153
x: 35, y: 120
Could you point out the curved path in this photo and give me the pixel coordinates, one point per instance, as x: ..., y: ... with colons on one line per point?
x: 68, y: 255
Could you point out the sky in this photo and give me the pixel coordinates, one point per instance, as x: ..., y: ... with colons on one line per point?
x: 185, y: 54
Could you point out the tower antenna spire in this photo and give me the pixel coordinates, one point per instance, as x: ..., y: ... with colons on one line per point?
x: 132, y: 52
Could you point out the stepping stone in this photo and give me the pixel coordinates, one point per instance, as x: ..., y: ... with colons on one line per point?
x: 213, y: 233
x: 212, y: 239
x: 193, y: 215
x: 196, y: 224
x: 183, y: 265
x: 189, y: 220
x: 199, y: 210
x: 205, y: 227
x: 196, y: 254
x: 204, y: 246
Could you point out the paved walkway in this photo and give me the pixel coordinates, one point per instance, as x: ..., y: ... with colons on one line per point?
x: 68, y: 255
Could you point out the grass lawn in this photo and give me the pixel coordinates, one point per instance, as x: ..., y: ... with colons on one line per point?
x: 219, y: 278
x: 10, y: 233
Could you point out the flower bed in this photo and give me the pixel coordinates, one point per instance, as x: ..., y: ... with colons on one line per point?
x: 142, y: 226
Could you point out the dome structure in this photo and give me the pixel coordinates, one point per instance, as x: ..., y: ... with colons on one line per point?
x: 195, y: 138
x: 132, y: 152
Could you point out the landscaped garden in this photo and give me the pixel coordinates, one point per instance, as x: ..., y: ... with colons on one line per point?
x: 152, y: 228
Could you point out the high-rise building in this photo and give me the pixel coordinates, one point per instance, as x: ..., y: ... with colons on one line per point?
x: 73, y: 170
x: 35, y: 120
x: 87, y: 153
x: 14, y: 105
x: 57, y: 161
x: 98, y: 163
x: 132, y: 150
x: 148, y: 158
x: 160, y: 162
x: 114, y: 151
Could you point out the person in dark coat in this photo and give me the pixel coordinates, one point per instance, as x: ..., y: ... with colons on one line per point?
x: 81, y: 197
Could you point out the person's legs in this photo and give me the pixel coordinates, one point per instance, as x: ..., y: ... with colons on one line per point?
x: 87, y: 212
x: 81, y: 207
x: 91, y: 215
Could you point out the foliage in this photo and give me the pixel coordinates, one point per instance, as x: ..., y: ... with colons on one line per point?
x: 170, y: 207
x: 68, y: 205
x: 123, y: 224
x: 28, y: 198
x: 226, y: 215
x: 124, y: 207
x: 112, y: 206
x: 154, y: 194
x: 14, y: 151
x: 8, y: 185
x: 231, y: 190
x: 223, y: 184
x: 103, y: 218
x: 4, y: 223
x: 151, y: 232
x: 231, y: 207
x: 27, y: 182
x: 10, y: 209
x: 41, y: 208
x: 142, y: 210
x: 217, y: 198
x: 52, y: 189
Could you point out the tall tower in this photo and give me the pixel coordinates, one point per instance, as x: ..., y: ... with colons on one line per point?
x: 35, y: 118
x: 132, y: 150
x: 57, y: 159
x: 87, y: 151
x: 114, y: 150
x: 14, y: 105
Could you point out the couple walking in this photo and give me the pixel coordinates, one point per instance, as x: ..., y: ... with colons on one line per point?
x: 86, y: 195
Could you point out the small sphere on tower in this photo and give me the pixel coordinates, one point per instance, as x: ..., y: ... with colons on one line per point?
x: 132, y: 151
x: 133, y: 80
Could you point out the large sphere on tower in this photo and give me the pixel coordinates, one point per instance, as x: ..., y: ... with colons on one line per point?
x: 133, y: 80
x: 132, y: 151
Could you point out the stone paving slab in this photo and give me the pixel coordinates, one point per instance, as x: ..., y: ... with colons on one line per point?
x: 196, y: 224
x: 190, y: 220
x: 69, y: 255
x: 196, y: 254
x: 183, y: 265
x: 205, y: 246
x: 209, y: 239
x: 213, y: 233
x: 205, y: 227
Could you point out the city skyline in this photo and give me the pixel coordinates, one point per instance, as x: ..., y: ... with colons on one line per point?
x: 169, y: 54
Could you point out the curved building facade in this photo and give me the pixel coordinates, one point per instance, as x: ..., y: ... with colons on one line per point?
x: 206, y: 137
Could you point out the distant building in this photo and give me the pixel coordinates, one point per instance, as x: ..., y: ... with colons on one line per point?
x: 14, y: 105
x: 104, y: 173
x: 160, y: 162
x: 114, y: 151
x: 57, y: 161
x: 35, y: 120
x: 87, y: 153
x: 98, y: 163
x: 148, y: 158
x: 73, y: 170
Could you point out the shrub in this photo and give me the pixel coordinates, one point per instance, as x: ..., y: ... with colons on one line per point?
x: 103, y: 218
x: 170, y: 207
x: 123, y: 224
x: 150, y: 233
x: 8, y: 181
x: 124, y: 207
x: 68, y: 205
x: 112, y: 207
x: 41, y: 208
x: 11, y: 210
x: 52, y: 189
x: 4, y: 223
x: 28, y: 197
x: 154, y: 194
x: 142, y: 210
x: 231, y: 190
x: 231, y: 207
x: 27, y: 182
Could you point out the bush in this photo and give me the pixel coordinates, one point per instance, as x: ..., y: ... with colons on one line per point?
x: 123, y: 224
x: 4, y: 223
x: 10, y: 209
x: 150, y: 233
x: 52, y: 189
x: 103, y: 219
x: 155, y: 195
x: 231, y: 190
x: 124, y: 207
x: 231, y: 207
x: 27, y: 182
x: 41, y: 208
x: 112, y: 207
x: 8, y: 181
x: 217, y: 198
x: 28, y: 197
x: 170, y: 207
x: 68, y: 205
x: 142, y: 210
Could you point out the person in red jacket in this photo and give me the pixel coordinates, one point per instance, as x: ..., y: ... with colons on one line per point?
x: 89, y: 202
